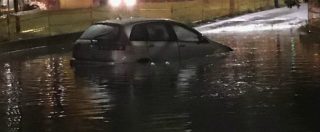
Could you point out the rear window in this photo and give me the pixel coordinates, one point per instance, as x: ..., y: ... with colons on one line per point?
x: 101, y: 31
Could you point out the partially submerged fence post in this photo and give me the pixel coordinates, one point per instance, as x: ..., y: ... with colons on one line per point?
x: 91, y: 13
x: 16, y: 10
x: 232, y: 7
x: 8, y: 19
x: 276, y: 4
x: 49, y: 24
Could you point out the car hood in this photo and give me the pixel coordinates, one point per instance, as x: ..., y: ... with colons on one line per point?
x: 220, y: 48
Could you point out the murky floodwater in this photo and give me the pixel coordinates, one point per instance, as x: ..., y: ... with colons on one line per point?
x: 269, y: 83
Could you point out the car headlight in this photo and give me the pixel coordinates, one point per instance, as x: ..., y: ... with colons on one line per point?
x: 130, y: 3
x: 114, y: 3
x: 117, y: 3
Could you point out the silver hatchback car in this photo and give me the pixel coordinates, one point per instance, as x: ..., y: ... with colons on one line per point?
x: 142, y: 40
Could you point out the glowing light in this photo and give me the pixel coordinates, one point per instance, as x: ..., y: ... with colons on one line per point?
x: 115, y: 3
x: 130, y: 3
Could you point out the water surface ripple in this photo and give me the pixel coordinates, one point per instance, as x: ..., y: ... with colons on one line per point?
x: 270, y: 82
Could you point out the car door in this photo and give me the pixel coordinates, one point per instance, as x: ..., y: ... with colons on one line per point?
x: 138, y: 47
x: 190, y: 42
x: 161, y: 44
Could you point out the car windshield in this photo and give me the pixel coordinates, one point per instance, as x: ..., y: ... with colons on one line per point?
x: 101, y: 31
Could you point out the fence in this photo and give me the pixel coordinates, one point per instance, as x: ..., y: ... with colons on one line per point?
x: 48, y: 23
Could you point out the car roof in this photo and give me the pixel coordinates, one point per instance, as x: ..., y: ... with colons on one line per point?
x: 132, y: 21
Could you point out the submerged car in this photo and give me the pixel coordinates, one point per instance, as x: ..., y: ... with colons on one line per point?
x: 141, y: 40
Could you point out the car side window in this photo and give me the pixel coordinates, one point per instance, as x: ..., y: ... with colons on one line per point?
x: 139, y: 33
x: 158, y: 32
x: 184, y: 34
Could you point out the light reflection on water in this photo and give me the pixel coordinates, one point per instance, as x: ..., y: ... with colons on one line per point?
x: 269, y: 83
x: 13, y: 92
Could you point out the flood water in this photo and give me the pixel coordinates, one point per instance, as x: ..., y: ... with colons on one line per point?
x: 270, y: 82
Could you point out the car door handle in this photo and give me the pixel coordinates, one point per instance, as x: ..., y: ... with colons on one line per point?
x: 182, y: 45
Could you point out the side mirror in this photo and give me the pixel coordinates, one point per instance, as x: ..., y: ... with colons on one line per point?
x: 203, y: 39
